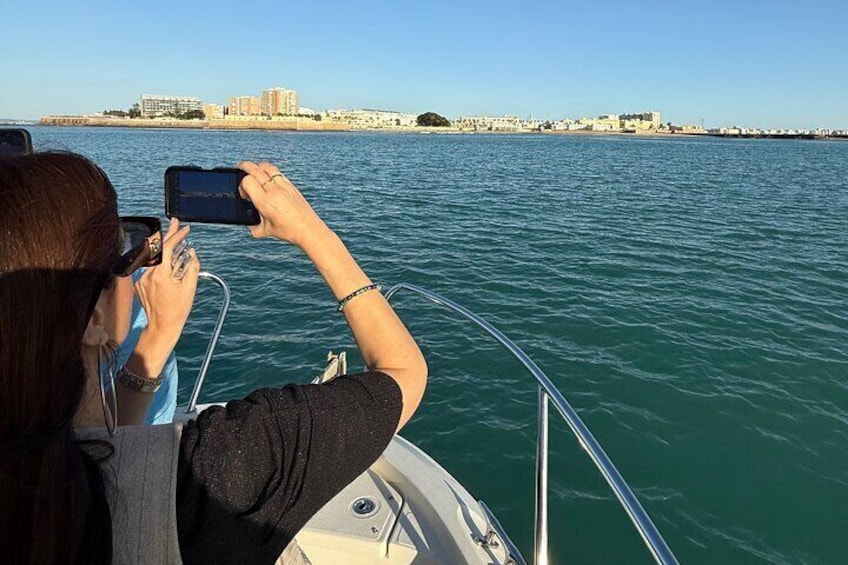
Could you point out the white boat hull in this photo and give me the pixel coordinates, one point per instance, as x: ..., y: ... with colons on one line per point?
x: 422, y: 515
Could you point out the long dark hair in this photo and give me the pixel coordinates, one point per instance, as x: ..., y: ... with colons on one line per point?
x: 59, y: 237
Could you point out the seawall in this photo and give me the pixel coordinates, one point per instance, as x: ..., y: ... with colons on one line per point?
x: 293, y: 124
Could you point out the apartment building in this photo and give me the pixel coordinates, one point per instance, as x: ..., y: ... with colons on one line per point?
x: 279, y: 101
x: 213, y: 111
x: 244, y: 106
x: 154, y: 105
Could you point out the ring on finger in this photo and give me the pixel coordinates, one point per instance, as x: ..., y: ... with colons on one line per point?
x: 179, y: 250
x: 280, y: 175
x: 179, y: 270
x: 267, y: 180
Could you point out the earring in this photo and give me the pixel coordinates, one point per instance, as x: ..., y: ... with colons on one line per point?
x: 110, y: 416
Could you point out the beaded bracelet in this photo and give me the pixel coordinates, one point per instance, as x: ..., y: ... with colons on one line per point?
x: 343, y: 302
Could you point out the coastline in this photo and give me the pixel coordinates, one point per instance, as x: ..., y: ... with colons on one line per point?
x: 283, y: 124
x: 310, y: 125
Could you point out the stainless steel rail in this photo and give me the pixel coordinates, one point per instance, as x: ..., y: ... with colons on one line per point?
x: 213, y: 341
x: 541, y: 533
x: 494, y: 528
x: 649, y: 533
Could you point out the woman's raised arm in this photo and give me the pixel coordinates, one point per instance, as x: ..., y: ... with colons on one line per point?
x: 383, y: 340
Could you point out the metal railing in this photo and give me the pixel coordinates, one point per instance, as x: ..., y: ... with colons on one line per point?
x: 213, y: 341
x: 548, y: 392
x: 494, y: 528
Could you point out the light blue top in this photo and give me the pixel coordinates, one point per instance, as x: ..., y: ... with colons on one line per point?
x: 164, y: 404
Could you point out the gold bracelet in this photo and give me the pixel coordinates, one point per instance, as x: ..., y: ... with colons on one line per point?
x: 343, y: 302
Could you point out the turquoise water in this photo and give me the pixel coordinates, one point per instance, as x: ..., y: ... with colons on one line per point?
x: 687, y: 295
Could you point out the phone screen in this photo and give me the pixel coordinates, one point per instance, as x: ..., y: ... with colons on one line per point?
x: 15, y: 142
x: 208, y: 196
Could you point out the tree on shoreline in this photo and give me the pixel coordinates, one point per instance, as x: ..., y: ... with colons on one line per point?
x: 189, y: 115
x: 433, y: 120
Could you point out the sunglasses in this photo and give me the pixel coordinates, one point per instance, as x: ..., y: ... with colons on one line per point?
x: 142, y: 244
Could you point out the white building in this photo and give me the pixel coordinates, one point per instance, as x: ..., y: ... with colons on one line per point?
x: 153, y: 105
x: 496, y: 123
x: 566, y: 125
x: 368, y: 118
x: 601, y: 127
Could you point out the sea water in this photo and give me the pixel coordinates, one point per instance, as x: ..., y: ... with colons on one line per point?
x: 687, y: 295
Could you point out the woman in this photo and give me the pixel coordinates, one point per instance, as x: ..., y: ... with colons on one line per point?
x: 240, y: 481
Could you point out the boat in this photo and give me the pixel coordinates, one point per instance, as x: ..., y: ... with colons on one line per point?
x: 407, y: 509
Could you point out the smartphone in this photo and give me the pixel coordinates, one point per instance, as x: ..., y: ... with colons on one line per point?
x: 207, y: 196
x: 15, y: 142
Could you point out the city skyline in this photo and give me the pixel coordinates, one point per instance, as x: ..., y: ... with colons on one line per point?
x: 283, y: 102
x: 764, y: 64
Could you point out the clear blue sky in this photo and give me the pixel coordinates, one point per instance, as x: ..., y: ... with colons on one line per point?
x: 748, y: 62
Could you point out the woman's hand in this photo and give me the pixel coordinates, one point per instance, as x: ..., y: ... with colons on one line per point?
x: 284, y: 212
x: 166, y: 300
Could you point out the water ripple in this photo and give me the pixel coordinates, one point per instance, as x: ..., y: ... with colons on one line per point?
x: 687, y: 295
